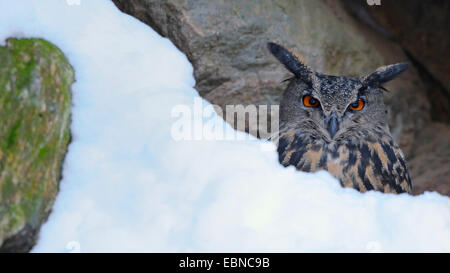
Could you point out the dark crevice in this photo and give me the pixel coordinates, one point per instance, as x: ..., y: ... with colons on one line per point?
x: 438, y: 95
x: 355, y: 8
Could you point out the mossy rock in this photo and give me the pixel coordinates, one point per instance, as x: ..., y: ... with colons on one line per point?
x: 35, y: 100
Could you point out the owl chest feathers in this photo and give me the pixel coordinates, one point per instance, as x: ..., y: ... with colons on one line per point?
x: 364, y: 164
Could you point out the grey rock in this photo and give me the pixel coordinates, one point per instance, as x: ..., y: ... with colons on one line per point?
x: 421, y: 27
x: 430, y: 163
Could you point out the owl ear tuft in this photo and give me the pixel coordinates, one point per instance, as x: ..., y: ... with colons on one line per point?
x: 291, y: 62
x: 384, y: 74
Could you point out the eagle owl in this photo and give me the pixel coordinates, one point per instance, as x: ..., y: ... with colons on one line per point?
x: 339, y: 124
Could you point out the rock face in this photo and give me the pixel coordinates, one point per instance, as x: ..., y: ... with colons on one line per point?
x: 421, y: 28
x: 35, y: 80
x: 430, y: 163
x: 226, y: 43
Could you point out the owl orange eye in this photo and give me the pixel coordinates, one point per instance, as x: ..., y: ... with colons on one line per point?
x: 309, y: 101
x: 357, y: 106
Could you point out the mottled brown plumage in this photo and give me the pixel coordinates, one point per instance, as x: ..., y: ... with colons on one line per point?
x: 339, y: 124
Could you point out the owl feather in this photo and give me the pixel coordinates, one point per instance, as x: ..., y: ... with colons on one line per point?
x: 339, y: 124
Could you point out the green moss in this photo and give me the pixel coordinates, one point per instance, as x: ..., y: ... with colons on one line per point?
x: 43, y: 152
x: 24, y: 74
x: 8, y: 188
x: 35, y: 80
x: 16, y: 217
x: 23, y: 61
x: 12, y: 136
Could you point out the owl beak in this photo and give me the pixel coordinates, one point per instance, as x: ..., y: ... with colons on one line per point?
x: 332, y: 124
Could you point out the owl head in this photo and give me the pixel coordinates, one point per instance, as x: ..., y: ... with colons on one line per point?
x: 333, y: 107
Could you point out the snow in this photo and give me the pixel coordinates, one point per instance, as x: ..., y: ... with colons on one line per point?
x: 129, y: 186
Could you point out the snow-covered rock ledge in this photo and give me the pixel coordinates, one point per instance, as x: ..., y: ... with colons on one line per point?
x: 128, y: 186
